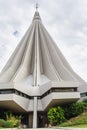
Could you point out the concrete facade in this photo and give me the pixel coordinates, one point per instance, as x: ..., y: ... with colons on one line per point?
x: 37, y: 76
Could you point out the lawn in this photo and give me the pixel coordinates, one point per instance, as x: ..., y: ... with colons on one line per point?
x: 80, y: 126
x: 79, y: 121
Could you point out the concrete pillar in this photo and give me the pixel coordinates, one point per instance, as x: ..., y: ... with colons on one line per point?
x: 35, y: 113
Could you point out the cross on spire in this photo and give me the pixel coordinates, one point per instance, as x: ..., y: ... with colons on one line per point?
x: 36, y: 5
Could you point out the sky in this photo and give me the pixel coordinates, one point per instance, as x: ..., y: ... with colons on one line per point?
x: 65, y: 20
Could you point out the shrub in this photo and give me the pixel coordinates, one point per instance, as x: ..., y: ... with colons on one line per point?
x: 77, y: 108
x: 2, y: 123
x: 8, y: 124
x: 74, y: 109
x: 79, y: 120
x: 10, y: 121
x: 15, y: 120
x: 56, y: 115
x: 67, y: 111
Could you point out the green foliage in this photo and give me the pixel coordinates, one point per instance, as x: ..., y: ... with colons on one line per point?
x: 52, y: 113
x: 9, y: 124
x: 10, y: 121
x: 79, y: 120
x: 2, y: 123
x: 74, y: 109
x: 77, y: 108
x: 16, y: 120
x: 56, y: 115
x: 6, y: 124
x: 7, y: 114
x: 67, y: 111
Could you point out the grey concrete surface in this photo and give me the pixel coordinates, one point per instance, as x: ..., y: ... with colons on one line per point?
x: 64, y: 128
x: 57, y: 129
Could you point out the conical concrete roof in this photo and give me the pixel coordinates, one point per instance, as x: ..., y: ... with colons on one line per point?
x: 37, y: 59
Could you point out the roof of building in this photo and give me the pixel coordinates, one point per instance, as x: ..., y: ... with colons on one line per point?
x: 37, y: 60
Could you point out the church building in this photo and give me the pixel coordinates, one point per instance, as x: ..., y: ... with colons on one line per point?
x: 37, y: 77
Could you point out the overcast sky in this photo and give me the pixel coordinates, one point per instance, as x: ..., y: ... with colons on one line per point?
x: 65, y: 20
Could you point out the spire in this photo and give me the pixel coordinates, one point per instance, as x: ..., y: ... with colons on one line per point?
x: 36, y: 16
x: 36, y: 6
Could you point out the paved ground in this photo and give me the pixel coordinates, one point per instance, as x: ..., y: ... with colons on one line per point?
x: 58, y: 129
x: 47, y: 129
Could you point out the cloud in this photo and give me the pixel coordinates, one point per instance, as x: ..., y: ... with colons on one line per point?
x: 66, y: 21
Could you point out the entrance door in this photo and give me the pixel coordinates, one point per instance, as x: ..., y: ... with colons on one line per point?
x: 42, y: 120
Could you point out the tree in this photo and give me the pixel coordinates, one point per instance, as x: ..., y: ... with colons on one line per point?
x: 74, y: 109
x: 56, y: 115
